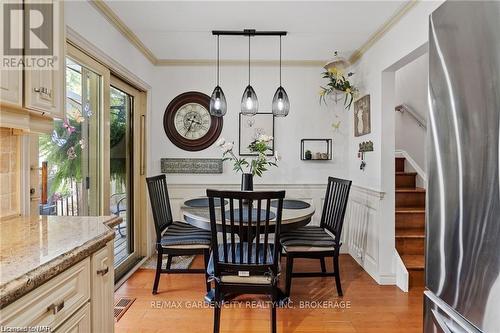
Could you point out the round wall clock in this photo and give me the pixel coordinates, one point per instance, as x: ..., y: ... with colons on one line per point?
x: 188, y: 123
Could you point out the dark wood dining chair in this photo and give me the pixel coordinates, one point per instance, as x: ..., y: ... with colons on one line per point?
x: 319, y: 242
x: 247, y: 260
x: 174, y: 238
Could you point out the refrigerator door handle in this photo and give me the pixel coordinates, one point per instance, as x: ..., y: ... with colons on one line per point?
x: 439, y: 321
x: 447, y: 325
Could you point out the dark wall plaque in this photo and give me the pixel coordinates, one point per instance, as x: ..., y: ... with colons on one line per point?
x: 191, y: 165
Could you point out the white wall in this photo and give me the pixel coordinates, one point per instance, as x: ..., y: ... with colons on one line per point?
x: 307, y: 119
x: 411, y: 89
x: 375, y: 73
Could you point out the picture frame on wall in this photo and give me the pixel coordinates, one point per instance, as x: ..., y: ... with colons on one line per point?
x: 362, y: 121
x: 251, y: 127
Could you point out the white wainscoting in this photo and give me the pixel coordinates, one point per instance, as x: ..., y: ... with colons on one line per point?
x: 361, y: 228
x: 360, y: 234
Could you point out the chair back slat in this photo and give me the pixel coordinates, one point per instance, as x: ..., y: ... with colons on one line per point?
x: 242, y: 244
x: 231, y: 213
x: 336, y: 198
x: 257, y: 231
x: 241, y: 229
x: 160, y: 203
x: 224, y: 240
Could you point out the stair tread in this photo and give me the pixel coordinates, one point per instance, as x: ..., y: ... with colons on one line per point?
x: 410, y: 210
x: 413, y: 261
x: 411, y: 233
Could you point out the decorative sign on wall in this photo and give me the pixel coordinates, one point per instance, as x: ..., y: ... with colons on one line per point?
x: 364, y: 147
x: 191, y: 165
x: 362, y: 122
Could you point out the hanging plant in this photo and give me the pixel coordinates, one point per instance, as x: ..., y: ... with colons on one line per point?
x: 338, y: 85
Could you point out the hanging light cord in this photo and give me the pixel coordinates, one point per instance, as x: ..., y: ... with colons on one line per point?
x: 217, y: 60
x: 248, y: 59
x: 280, y: 60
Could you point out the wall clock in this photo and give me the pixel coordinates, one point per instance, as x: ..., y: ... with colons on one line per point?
x: 188, y: 123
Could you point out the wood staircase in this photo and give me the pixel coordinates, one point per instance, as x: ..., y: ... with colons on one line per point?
x: 410, y: 223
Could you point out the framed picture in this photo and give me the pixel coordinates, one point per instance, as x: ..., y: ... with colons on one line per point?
x: 362, y: 125
x: 251, y: 127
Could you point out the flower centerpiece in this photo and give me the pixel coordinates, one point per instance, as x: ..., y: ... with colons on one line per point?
x: 256, y: 166
x: 338, y: 84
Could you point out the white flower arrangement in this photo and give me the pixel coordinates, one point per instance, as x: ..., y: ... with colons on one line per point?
x: 256, y: 166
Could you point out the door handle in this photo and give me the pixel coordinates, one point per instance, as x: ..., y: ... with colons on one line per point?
x: 142, y: 145
x: 103, y: 271
x: 55, y: 308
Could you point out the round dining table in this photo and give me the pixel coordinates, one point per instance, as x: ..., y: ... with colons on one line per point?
x: 296, y: 213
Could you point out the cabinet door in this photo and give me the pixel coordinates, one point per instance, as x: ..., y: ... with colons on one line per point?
x: 11, y: 79
x: 77, y: 323
x: 10, y: 88
x: 102, y: 298
x: 44, y: 87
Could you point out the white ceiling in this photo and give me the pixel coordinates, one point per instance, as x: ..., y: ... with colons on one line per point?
x: 182, y: 29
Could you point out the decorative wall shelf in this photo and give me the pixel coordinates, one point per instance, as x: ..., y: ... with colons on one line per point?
x: 316, y: 149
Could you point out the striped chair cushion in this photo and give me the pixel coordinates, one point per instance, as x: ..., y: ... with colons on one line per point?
x: 308, y: 236
x: 180, y: 233
x: 256, y: 279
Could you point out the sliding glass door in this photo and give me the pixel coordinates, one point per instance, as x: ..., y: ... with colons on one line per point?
x: 93, y: 161
x: 70, y: 156
x: 124, y: 170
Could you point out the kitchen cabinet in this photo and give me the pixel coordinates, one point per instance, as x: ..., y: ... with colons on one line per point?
x: 102, y: 286
x: 11, y: 85
x: 38, y: 89
x: 79, y: 299
x: 44, y: 87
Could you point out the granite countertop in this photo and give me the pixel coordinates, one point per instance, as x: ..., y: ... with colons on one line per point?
x: 35, y: 249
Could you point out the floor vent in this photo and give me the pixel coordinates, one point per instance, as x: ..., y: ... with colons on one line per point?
x: 122, y: 306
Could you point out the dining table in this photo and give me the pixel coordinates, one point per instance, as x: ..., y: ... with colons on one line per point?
x: 296, y: 213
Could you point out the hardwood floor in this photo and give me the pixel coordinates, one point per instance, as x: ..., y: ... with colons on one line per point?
x: 368, y: 307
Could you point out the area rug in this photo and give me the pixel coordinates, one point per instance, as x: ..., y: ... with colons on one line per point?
x: 181, y: 262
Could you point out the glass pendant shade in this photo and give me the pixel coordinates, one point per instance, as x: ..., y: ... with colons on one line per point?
x: 281, y: 103
x: 249, y: 102
x: 218, y: 105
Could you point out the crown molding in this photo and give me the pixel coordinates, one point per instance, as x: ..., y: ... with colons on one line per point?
x: 239, y: 62
x: 377, y: 35
x: 112, y: 18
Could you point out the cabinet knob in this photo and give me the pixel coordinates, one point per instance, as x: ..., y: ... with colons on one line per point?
x: 103, y: 271
x: 55, y: 308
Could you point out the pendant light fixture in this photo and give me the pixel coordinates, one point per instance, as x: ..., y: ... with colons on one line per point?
x: 249, y: 101
x: 281, y: 103
x: 218, y: 105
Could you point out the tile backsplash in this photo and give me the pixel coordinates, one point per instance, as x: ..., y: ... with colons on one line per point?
x: 10, y: 177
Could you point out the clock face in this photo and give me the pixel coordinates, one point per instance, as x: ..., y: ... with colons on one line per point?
x: 188, y: 123
x: 192, y: 121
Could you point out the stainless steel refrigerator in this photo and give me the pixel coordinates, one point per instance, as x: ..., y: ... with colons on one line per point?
x: 463, y: 220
